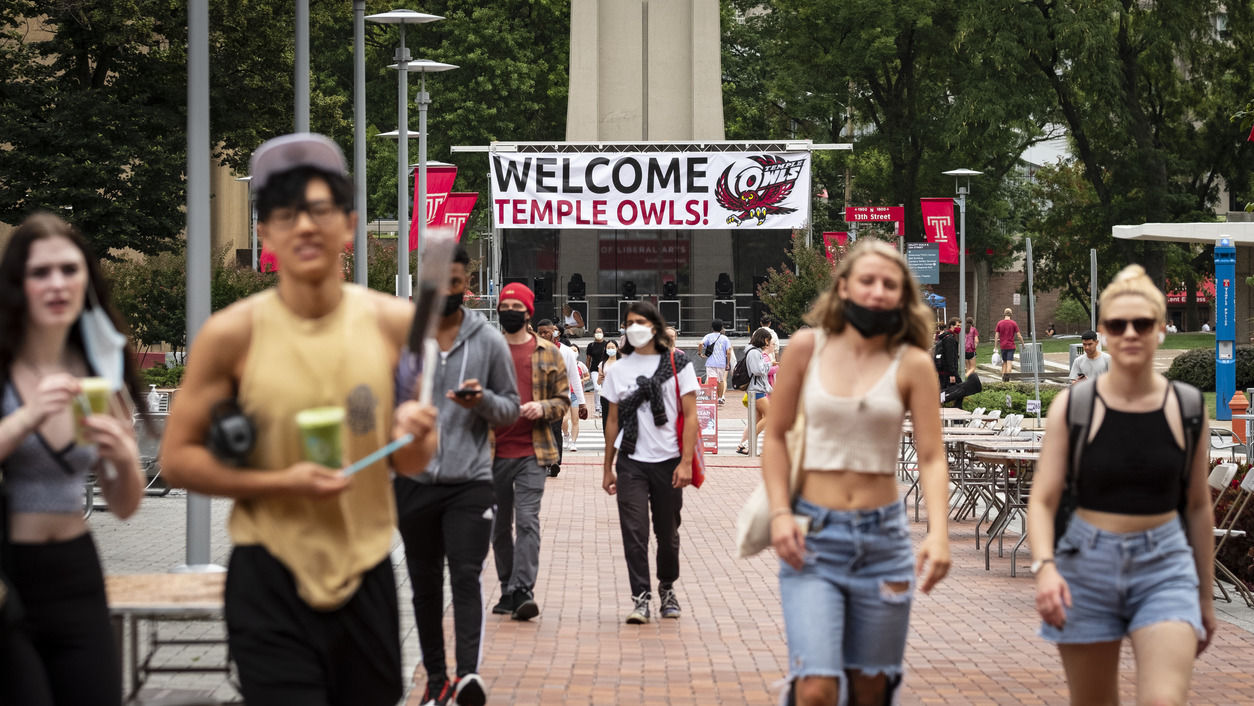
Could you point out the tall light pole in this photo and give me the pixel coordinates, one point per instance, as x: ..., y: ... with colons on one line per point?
x: 359, y: 140
x: 963, y: 187
x: 423, y: 67
x: 402, y: 18
x: 300, y: 81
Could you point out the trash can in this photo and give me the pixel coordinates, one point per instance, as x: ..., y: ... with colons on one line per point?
x: 1076, y: 350
x: 1031, y: 359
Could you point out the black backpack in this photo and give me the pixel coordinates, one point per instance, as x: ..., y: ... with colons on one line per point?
x: 740, y: 374
x: 938, y: 355
x: 1080, y: 415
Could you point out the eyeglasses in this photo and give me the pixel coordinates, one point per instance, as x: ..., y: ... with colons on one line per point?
x: 322, y: 213
x: 1117, y: 327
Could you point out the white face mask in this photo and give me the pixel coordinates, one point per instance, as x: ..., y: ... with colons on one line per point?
x: 105, y: 345
x: 598, y: 336
x: 639, y: 334
x: 611, y: 352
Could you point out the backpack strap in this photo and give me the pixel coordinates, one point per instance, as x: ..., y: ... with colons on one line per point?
x: 1080, y: 401
x: 1191, y: 410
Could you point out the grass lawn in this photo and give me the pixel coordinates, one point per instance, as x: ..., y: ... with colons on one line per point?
x: 1175, y: 341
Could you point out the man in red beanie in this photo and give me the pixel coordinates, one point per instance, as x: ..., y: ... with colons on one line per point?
x: 523, y: 450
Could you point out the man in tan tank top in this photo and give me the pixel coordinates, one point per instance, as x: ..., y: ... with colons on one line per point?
x: 311, y: 607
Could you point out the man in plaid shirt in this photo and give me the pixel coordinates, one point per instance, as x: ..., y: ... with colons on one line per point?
x: 523, y: 450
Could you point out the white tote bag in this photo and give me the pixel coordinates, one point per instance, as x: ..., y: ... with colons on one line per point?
x: 996, y: 358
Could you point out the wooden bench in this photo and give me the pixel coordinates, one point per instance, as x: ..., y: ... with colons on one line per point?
x: 157, y: 598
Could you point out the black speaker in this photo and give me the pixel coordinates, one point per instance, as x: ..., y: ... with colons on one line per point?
x: 755, y: 316
x: 629, y: 289
x: 670, y: 309
x: 543, y: 290
x: 670, y: 290
x: 512, y: 280
x: 758, y: 281
x: 725, y: 311
x: 576, y: 288
x: 723, y: 288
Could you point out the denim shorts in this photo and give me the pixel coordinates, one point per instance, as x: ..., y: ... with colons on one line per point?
x: 839, y: 612
x: 1122, y: 582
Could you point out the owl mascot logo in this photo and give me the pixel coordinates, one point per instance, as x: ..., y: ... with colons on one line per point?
x: 757, y: 191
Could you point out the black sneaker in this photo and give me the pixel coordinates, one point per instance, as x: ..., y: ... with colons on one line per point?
x: 639, y: 615
x: 669, y: 603
x: 525, y: 606
x: 554, y: 470
x: 505, y: 606
x: 437, y: 693
x: 470, y: 691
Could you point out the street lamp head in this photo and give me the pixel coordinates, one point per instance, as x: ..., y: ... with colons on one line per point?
x: 408, y: 17
x: 425, y: 66
x: 957, y: 174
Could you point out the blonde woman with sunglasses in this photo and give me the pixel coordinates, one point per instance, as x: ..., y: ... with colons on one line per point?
x: 1135, y: 557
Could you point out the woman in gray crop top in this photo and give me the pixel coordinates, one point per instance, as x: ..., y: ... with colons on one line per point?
x: 1135, y: 557
x: 62, y: 650
x: 847, y: 571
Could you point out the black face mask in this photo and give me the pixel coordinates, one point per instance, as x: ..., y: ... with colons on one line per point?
x: 512, y: 320
x: 452, y: 303
x: 870, y: 322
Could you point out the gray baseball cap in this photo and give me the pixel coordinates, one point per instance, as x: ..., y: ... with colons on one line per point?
x: 301, y: 149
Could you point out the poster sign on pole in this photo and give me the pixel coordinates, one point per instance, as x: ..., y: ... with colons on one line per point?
x: 924, y: 261
x: 877, y: 214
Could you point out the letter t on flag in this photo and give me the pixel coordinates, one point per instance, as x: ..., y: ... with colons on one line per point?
x: 938, y: 226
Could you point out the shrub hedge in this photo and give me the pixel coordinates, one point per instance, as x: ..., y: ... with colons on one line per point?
x: 1197, y: 367
x: 994, y: 397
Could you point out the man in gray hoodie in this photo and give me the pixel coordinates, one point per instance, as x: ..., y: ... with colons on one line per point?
x: 447, y: 511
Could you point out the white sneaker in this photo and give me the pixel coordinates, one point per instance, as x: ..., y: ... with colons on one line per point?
x: 573, y: 448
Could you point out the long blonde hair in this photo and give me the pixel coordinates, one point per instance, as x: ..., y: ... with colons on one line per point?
x: 1132, y: 280
x: 916, y: 318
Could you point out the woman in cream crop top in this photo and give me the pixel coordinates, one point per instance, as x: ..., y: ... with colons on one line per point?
x: 853, y: 377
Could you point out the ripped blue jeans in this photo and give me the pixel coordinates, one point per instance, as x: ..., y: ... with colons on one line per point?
x: 848, y: 607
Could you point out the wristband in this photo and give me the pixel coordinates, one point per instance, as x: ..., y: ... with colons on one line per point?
x: 780, y: 511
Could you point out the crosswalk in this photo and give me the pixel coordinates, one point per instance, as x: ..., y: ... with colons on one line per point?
x: 729, y: 431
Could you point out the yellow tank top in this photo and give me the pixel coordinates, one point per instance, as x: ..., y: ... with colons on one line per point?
x: 293, y: 364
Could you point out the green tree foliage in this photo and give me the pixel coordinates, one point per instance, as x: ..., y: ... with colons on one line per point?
x: 92, y: 115
x: 790, y: 293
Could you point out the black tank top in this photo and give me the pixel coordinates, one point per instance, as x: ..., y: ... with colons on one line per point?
x: 1132, y: 466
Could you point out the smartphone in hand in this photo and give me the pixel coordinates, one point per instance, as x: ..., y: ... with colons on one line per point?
x: 466, y: 392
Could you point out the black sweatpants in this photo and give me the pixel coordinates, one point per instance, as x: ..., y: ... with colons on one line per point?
x: 288, y: 653
x: 453, y: 521
x: 63, y: 651
x: 642, y: 485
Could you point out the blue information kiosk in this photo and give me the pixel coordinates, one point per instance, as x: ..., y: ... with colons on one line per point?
x: 1225, y: 327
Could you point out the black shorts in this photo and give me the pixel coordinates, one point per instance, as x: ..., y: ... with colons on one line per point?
x: 288, y: 653
x: 969, y: 355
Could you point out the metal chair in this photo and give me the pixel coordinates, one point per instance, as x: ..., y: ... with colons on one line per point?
x: 1225, y: 530
x: 1221, y: 442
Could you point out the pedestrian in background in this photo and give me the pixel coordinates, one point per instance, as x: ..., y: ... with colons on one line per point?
x: 972, y: 342
x: 758, y: 361
x: 595, y: 353
x: 1007, y: 334
x: 648, y: 390
x: 523, y: 450
x: 717, y: 351
x: 1136, y: 557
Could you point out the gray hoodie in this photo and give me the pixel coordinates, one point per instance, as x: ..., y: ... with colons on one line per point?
x: 465, y: 451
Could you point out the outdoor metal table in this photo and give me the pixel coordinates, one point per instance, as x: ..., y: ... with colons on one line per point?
x: 152, y: 598
x: 1018, y: 466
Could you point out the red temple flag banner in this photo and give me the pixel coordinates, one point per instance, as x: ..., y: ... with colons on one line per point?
x: 833, y: 240
x: 439, y: 183
x: 938, y: 226
x: 457, y: 210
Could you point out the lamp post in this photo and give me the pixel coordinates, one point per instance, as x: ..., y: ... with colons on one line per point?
x: 963, y: 189
x: 402, y: 18
x: 252, y: 218
x: 359, y: 140
x: 423, y: 67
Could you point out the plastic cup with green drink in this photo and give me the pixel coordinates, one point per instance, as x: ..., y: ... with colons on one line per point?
x: 321, y: 435
x: 93, y: 398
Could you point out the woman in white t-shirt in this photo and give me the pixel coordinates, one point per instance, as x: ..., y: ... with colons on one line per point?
x: 653, y: 466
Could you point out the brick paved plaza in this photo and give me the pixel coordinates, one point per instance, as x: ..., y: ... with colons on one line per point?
x: 972, y: 641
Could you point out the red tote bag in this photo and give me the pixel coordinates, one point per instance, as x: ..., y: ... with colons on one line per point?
x: 698, y: 457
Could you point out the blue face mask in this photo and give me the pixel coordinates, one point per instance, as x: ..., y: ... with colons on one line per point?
x: 104, y: 344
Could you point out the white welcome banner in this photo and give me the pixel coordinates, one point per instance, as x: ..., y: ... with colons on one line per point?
x: 651, y: 190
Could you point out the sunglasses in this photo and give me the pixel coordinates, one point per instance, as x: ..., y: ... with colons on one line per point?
x: 1117, y: 327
